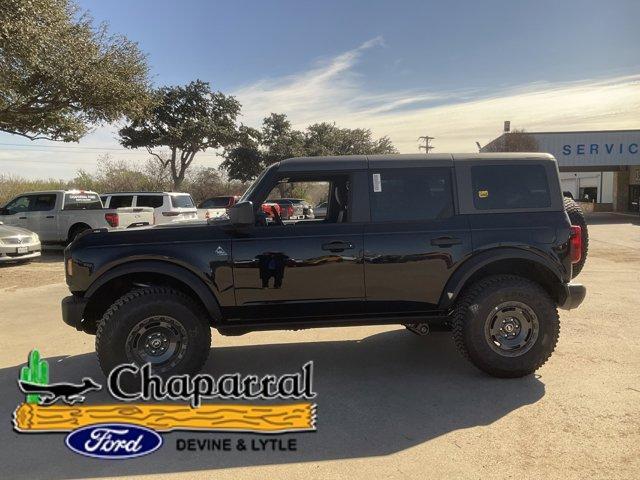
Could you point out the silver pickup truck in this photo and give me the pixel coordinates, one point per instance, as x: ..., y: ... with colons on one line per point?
x: 59, y: 216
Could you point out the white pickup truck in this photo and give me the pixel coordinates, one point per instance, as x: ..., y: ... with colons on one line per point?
x: 59, y: 216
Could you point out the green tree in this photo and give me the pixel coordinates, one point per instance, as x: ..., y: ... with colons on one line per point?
x: 277, y: 140
x: 185, y: 120
x: 328, y: 139
x: 60, y: 74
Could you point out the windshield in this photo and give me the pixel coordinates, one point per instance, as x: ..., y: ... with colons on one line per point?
x: 82, y: 201
x: 255, y: 184
x: 181, y: 201
x: 217, y: 202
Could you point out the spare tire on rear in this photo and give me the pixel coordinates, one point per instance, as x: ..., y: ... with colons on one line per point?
x: 576, y: 216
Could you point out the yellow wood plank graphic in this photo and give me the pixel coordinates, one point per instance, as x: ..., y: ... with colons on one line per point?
x: 164, y: 417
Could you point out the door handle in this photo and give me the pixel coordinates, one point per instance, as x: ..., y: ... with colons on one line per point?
x: 445, y: 241
x: 50, y: 216
x: 22, y: 218
x: 337, y: 246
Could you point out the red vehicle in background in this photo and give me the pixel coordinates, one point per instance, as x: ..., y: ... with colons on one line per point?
x: 268, y: 207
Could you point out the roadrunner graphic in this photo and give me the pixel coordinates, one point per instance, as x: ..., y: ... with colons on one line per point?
x: 69, y: 393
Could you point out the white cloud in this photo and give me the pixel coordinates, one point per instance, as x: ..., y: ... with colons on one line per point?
x: 332, y: 91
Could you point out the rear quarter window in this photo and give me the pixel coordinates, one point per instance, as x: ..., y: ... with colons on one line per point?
x: 508, y: 187
x: 182, y: 201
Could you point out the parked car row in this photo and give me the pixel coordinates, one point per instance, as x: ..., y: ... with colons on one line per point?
x: 59, y: 216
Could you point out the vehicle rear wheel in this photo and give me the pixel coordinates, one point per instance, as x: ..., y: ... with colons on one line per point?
x: 506, y: 325
x: 155, y: 325
x: 576, y: 216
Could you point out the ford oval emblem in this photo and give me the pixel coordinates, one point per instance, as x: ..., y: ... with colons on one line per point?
x: 113, y: 441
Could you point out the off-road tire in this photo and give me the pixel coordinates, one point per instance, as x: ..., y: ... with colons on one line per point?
x: 124, y: 314
x: 472, y: 312
x: 577, y: 218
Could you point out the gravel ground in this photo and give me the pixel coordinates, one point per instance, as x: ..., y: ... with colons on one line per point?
x: 390, y: 404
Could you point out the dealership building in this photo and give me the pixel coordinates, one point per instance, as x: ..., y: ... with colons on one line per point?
x: 600, y: 167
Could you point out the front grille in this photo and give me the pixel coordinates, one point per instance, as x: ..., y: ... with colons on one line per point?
x: 17, y: 240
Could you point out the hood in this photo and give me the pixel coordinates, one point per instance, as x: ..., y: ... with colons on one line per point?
x: 177, y: 232
x: 9, y: 231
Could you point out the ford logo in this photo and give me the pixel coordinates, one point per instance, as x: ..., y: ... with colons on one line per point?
x: 113, y: 441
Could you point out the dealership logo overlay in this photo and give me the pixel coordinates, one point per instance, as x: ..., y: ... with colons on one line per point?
x: 128, y: 429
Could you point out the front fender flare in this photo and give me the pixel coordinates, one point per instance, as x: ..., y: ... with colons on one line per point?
x: 204, y: 293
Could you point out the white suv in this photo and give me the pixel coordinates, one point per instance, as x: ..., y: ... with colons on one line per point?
x: 168, y: 206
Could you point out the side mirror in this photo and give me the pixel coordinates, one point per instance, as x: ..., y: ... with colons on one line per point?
x: 241, y: 214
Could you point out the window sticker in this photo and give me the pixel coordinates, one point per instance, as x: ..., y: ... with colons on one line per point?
x: 483, y: 193
x: 377, y: 183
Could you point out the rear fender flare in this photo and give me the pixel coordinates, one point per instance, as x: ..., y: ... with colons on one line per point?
x: 459, y: 279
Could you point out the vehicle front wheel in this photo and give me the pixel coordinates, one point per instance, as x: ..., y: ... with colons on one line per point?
x: 155, y: 325
x: 506, y: 325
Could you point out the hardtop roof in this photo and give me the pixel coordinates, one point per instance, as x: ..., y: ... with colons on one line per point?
x: 363, y: 162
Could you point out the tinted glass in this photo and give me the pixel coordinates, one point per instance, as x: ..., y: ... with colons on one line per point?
x: 181, y: 201
x: 120, y: 201
x: 507, y: 187
x: 20, y: 204
x: 217, y: 202
x: 42, y: 203
x: 411, y: 194
x: 153, y: 201
x: 82, y: 201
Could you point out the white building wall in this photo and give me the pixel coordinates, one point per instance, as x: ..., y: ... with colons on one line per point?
x: 586, y: 149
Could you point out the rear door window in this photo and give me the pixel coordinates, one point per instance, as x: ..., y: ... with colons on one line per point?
x: 411, y: 194
x: 507, y: 187
x: 82, y: 201
x: 154, y: 201
x: 121, y: 201
x: 42, y: 203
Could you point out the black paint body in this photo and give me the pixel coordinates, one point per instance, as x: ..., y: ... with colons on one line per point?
x: 316, y: 274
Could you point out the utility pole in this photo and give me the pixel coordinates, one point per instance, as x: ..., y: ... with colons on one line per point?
x: 427, y: 147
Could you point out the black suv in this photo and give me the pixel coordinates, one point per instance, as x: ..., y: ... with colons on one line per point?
x: 478, y: 243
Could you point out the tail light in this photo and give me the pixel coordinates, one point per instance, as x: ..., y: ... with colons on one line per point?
x: 206, y: 215
x: 575, y: 243
x: 154, y: 218
x: 112, y: 219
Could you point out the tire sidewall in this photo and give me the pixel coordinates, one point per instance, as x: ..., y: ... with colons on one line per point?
x: 111, y: 345
x: 477, y: 315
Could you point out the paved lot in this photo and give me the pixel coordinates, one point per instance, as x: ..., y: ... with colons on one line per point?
x: 390, y: 404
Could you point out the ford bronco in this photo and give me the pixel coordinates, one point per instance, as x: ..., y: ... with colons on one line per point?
x: 477, y: 243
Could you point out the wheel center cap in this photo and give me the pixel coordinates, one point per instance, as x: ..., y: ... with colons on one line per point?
x: 509, y: 327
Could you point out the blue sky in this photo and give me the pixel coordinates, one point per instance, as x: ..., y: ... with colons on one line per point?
x: 452, y: 69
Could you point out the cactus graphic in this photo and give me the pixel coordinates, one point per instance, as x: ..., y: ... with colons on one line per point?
x: 36, y: 372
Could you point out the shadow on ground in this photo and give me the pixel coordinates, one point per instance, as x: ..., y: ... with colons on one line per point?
x: 380, y: 395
